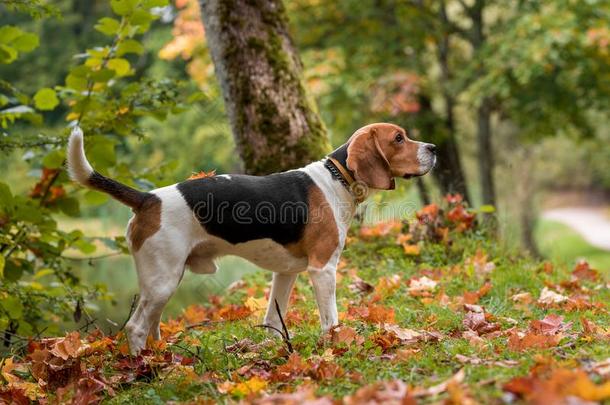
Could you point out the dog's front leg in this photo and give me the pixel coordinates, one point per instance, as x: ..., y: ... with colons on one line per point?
x: 280, y: 291
x: 324, y: 285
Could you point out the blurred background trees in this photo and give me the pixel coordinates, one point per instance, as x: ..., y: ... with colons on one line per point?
x: 515, y: 94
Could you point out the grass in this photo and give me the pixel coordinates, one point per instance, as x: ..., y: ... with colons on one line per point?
x: 430, y: 364
x: 462, y: 264
x: 564, y: 245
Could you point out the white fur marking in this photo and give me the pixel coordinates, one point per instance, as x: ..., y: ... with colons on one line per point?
x: 78, y: 165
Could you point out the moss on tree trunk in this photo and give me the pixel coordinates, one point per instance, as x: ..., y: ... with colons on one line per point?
x: 275, y: 124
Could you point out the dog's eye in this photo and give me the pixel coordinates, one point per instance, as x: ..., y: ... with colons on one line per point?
x: 399, y: 138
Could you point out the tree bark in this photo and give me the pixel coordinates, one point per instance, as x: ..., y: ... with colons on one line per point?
x: 275, y: 124
x: 486, y: 155
x: 449, y: 173
x: 484, y: 131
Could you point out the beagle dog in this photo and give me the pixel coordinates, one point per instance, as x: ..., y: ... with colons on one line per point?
x: 286, y: 222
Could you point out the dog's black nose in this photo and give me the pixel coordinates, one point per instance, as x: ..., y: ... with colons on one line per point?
x: 431, y: 148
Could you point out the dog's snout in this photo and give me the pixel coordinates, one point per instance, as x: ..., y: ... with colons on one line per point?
x: 431, y: 148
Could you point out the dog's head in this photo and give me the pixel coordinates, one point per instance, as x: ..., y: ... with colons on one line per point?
x: 377, y: 153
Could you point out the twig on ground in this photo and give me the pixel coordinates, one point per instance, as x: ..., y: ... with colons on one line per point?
x: 131, y: 309
x: 284, y: 334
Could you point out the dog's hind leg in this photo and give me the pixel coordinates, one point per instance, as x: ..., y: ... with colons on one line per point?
x: 159, y: 273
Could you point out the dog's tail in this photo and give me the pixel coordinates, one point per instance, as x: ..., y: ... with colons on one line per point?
x: 80, y: 170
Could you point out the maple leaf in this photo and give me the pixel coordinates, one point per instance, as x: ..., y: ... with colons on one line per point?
x: 249, y: 387
x: 582, y: 271
x: 523, y: 341
x: 421, y: 286
x: 345, y: 335
x: 202, y: 175
x: 411, y: 250
x: 371, y: 313
x: 359, y: 286
x: 406, y: 336
x: 386, y: 285
x: 390, y: 392
x: 557, y: 387
x: 474, y: 297
x: 257, y: 306
x: 480, y: 264
x: 304, y: 394
x: 293, y: 367
x: 474, y: 338
x: 550, y: 297
x: 68, y: 347
x: 15, y: 383
x: 381, y: 229
x: 457, y: 378
x: 550, y: 325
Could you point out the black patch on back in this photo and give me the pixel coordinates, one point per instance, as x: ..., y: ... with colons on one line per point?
x: 245, y: 208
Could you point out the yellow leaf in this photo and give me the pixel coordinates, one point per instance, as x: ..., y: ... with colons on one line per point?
x: 256, y: 305
x: 411, y: 250
x: 251, y: 386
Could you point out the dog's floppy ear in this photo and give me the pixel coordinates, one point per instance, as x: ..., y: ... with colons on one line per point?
x: 367, y: 160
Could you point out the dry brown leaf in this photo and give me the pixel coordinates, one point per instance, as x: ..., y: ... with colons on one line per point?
x: 457, y: 378
x: 550, y: 297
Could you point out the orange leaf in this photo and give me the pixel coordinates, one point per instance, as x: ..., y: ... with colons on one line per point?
x: 202, y: 175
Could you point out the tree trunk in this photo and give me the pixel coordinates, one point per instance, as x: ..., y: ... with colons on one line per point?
x: 486, y: 156
x: 449, y: 172
x: 423, y: 191
x: 275, y: 125
x: 485, y: 148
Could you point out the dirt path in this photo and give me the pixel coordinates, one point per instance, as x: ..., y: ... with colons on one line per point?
x: 591, y: 223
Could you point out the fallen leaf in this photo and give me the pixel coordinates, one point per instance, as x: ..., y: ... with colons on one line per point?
x: 202, y: 175
x: 389, y: 392
x: 386, y: 285
x: 406, y: 336
x: 417, y: 286
x: 551, y: 325
x: 257, y: 306
x: 582, y: 271
x: 457, y: 378
x: 303, y: 395
x: 67, y: 347
x: 359, y: 286
x: 550, y: 297
x: 345, y: 335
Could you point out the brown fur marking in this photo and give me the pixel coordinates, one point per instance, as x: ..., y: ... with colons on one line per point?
x: 201, y: 251
x: 146, y: 222
x: 321, y: 236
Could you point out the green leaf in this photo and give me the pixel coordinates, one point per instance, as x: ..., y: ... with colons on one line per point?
x: 27, y: 213
x: 102, y: 154
x: 7, y: 54
x: 26, y: 42
x: 13, y: 306
x: 130, y: 46
x: 120, y: 66
x: 6, y: 197
x: 45, y: 99
x: 487, y: 209
x: 69, y: 206
x: 154, y: 3
x: 85, y: 246
x: 108, y: 26
x: 2, y: 261
x: 123, y: 7
x: 9, y: 33
x: 93, y: 197
x: 54, y: 159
